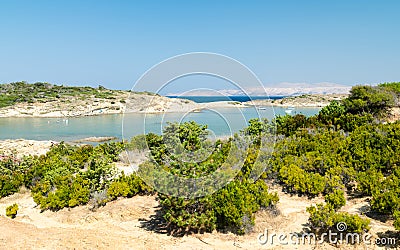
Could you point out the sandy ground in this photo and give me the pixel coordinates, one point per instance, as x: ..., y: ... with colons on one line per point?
x: 394, y: 114
x: 131, y: 224
x: 134, y: 224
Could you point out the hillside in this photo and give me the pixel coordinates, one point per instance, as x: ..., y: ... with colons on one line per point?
x: 21, y: 99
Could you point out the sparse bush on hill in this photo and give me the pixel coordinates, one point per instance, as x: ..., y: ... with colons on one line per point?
x: 391, y: 86
x: 19, y: 92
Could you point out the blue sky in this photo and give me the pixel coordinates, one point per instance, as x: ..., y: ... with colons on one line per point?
x: 114, y: 42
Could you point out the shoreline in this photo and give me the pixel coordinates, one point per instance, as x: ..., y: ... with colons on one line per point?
x: 145, y: 105
x: 21, y: 147
x: 302, y: 101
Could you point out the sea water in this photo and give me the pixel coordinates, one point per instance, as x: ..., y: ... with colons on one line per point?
x: 220, y: 122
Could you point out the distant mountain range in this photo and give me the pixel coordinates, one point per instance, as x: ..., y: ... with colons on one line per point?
x: 281, y: 89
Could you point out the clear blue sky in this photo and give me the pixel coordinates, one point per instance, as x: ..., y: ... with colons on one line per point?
x: 113, y: 42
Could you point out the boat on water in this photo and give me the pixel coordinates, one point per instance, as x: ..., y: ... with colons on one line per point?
x: 261, y: 108
x: 289, y: 110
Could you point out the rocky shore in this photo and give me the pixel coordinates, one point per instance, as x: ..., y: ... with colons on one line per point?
x: 126, y: 102
x: 312, y: 100
x: 122, y: 102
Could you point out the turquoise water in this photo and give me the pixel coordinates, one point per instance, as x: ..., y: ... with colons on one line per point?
x: 222, y: 122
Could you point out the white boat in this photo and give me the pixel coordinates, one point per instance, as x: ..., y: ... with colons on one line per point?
x: 289, y: 110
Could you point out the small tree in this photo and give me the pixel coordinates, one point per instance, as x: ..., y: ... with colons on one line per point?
x: 331, y: 113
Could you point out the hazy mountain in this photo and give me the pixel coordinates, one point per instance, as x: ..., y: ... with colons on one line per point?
x: 281, y: 89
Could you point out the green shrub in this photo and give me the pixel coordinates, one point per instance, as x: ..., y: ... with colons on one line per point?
x: 385, y: 196
x: 231, y: 208
x: 321, y: 217
x: 118, y: 189
x: 330, y: 114
x: 188, y: 215
x: 367, y: 181
x: 287, y: 125
x: 236, y: 203
x: 366, y: 99
x: 299, y: 181
x: 137, y: 142
x: 324, y: 218
x: 354, y: 223
x: 391, y: 86
x: 336, y: 199
x: 128, y: 186
x: 67, y: 175
x: 11, y: 211
x: 396, y: 223
x: 12, y: 173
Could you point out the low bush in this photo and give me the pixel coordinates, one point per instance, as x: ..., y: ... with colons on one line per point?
x: 336, y: 199
x: 236, y: 203
x: 12, y: 173
x: 11, y: 211
x: 67, y: 175
x: 324, y: 218
x: 128, y: 186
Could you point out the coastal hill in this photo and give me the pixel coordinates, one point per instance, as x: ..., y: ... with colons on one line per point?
x: 21, y: 99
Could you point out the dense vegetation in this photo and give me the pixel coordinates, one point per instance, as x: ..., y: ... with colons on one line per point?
x: 230, y: 208
x: 346, y: 150
x: 66, y: 176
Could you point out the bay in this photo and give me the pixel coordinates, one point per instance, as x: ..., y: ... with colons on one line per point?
x: 220, y: 122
